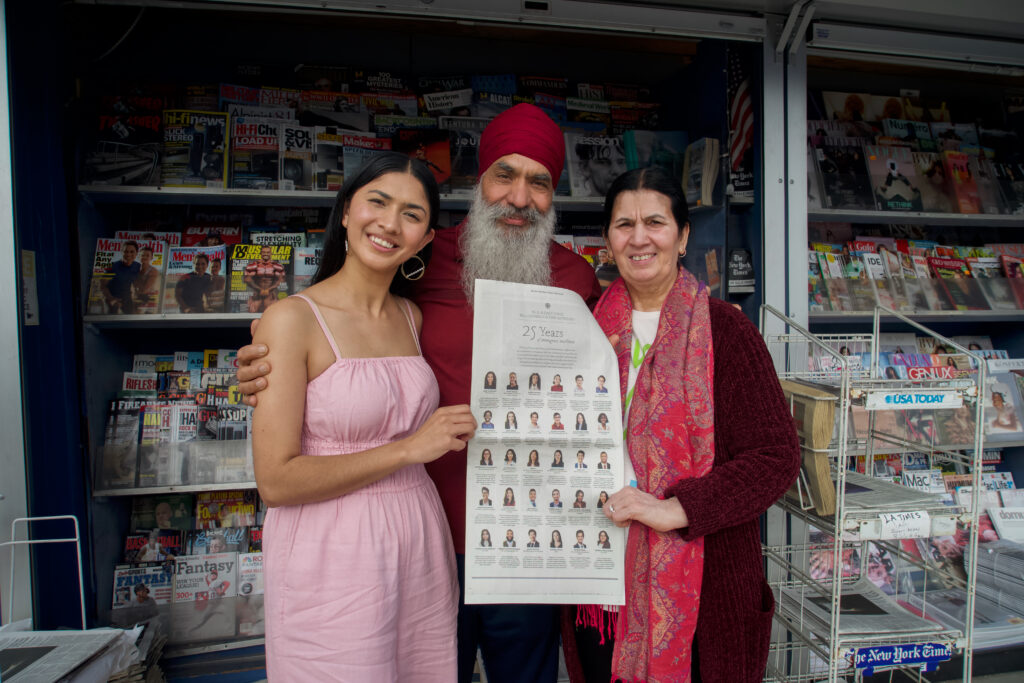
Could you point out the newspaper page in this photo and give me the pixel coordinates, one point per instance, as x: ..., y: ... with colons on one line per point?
x: 52, y: 655
x: 546, y: 395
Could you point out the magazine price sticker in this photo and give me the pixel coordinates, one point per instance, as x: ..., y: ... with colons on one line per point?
x: 547, y: 452
x: 927, y: 655
x: 892, y: 400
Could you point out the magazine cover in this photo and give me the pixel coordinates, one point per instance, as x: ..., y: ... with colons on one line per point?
x: 1010, y: 179
x: 465, y: 161
x: 138, y: 585
x: 126, y: 276
x: 594, y: 162
x: 250, y: 573
x: 844, y: 174
x: 341, y: 110
x: 357, y: 149
x: 259, y: 276
x: 1003, y: 416
x: 254, y: 153
x: 154, y: 545
x: 962, y: 181
x: 951, y: 136
x: 932, y: 181
x: 893, y: 178
x: 914, y: 134
x: 220, y: 540
x: 195, y: 281
x: 996, y: 288
x: 205, y: 577
x: 431, y: 146
x: 296, y: 156
x: 119, y: 457
x: 165, y: 511
x: 172, y: 239
x: 955, y: 427
x: 328, y: 166
x: 128, y: 142
x: 219, y: 509
x: 989, y: 194
x: 201, y: 234
x: 666, y: 149
x: 307, y: 261
x: 962, y: 290
x: 195, y: 148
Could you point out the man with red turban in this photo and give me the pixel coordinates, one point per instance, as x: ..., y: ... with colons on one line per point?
x: 506, y: 236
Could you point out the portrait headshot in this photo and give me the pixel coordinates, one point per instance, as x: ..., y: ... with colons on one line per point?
x: 510, y: 540
x: 581, y: 423
x: 602, y: 498
x: 485, y: 497
x: 486, y: 423
x: 604, y: 464
x: 579, y: 384
x: 485, y: 457
x: 602, y: 540
x: 533, y: 498
x: 510, y: 421
x: 534, y: 383
x: 490, y: 380
x: 533, y: 460
x: 556, y: 499
x: 485, y: 538
x: 513, y: 382
x: 556, y: 423
x: 509, y: 501
x: 556, y: 459
x: 580, y: 465
x: 579, y: 540
x: 600, y: 388
x: 510, y: 457
x: 579, y: 503
x: 534, y: 417
x: 532, y: 543
x: 556, y: 383
x: 602, y: 422
x: 556, y: 539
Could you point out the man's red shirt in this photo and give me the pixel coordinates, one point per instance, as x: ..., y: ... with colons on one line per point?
x: 447, y: 342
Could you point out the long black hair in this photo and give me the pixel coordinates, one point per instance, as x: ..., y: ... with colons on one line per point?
x: 655, y: 179
x: 333, y: 256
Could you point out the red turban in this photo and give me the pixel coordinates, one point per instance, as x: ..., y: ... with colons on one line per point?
x: 524, y: 129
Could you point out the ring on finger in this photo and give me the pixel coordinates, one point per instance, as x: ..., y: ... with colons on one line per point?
x: 612, y: 508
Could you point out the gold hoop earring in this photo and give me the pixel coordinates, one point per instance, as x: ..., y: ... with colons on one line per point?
x: 682, y: 253
x: 417, y: 273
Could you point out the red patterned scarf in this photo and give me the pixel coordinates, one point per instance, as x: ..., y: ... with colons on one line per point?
x: 670, y: 436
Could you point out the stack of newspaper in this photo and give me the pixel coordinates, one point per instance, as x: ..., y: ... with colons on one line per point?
x: 871, y: 493
x: 994, y: 626
x: 863, y: 609
x: 151, y: 648
x: 1000, y: 570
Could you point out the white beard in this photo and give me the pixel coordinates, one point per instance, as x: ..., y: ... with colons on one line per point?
x: 491, y: 253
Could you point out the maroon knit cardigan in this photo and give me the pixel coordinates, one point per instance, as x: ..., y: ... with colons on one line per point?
x: 757, y: 457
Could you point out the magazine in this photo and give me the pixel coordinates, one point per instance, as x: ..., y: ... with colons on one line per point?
x: 126, y: 277
x: 156, y: 578
x: 195, y: 149
x: 218, y: 509
x: 594, y: 162
x: 250, y: 573
x: 167, y: 511
x: 254, y: 153
x: 205, y: 577
x: 259, y: 276
x: 296, y: 156
x: 195, y: 282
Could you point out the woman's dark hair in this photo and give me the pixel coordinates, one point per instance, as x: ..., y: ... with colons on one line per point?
x: 333, y: 256
x: 655, y: 179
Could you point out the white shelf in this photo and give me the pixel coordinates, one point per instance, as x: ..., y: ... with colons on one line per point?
x: 156, y: 320
x: 181, y: 488
x: 862, y: 216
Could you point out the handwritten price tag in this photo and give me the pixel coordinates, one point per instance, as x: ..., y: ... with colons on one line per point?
x: 905, y: 525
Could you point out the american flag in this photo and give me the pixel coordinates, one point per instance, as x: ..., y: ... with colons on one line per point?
x: 741, y: 111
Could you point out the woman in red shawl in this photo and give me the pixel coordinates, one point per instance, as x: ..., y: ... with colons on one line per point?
x: 711, y: 445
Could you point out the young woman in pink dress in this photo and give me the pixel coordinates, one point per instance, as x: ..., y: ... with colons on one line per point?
x: 359, y: 565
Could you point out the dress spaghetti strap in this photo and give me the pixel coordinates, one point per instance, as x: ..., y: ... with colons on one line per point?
x: 323, y: 326
x: 412, y: 326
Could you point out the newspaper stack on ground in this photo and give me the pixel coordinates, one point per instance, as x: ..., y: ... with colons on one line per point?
x: 863, y: 609
x: 29, y: 656
x: 151, y: 648
x: 547, y: 453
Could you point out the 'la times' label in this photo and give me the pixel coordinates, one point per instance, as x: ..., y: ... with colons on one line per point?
x: 895, y: 400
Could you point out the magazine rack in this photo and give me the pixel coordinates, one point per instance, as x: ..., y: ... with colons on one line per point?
x: 832, y: 621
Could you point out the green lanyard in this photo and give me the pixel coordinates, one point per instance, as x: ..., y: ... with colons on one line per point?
x: 639, y: 353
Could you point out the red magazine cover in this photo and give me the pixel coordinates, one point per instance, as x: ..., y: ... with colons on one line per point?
x: 1013, y: 268
x: 956, y: 282
x: 965, y: 189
